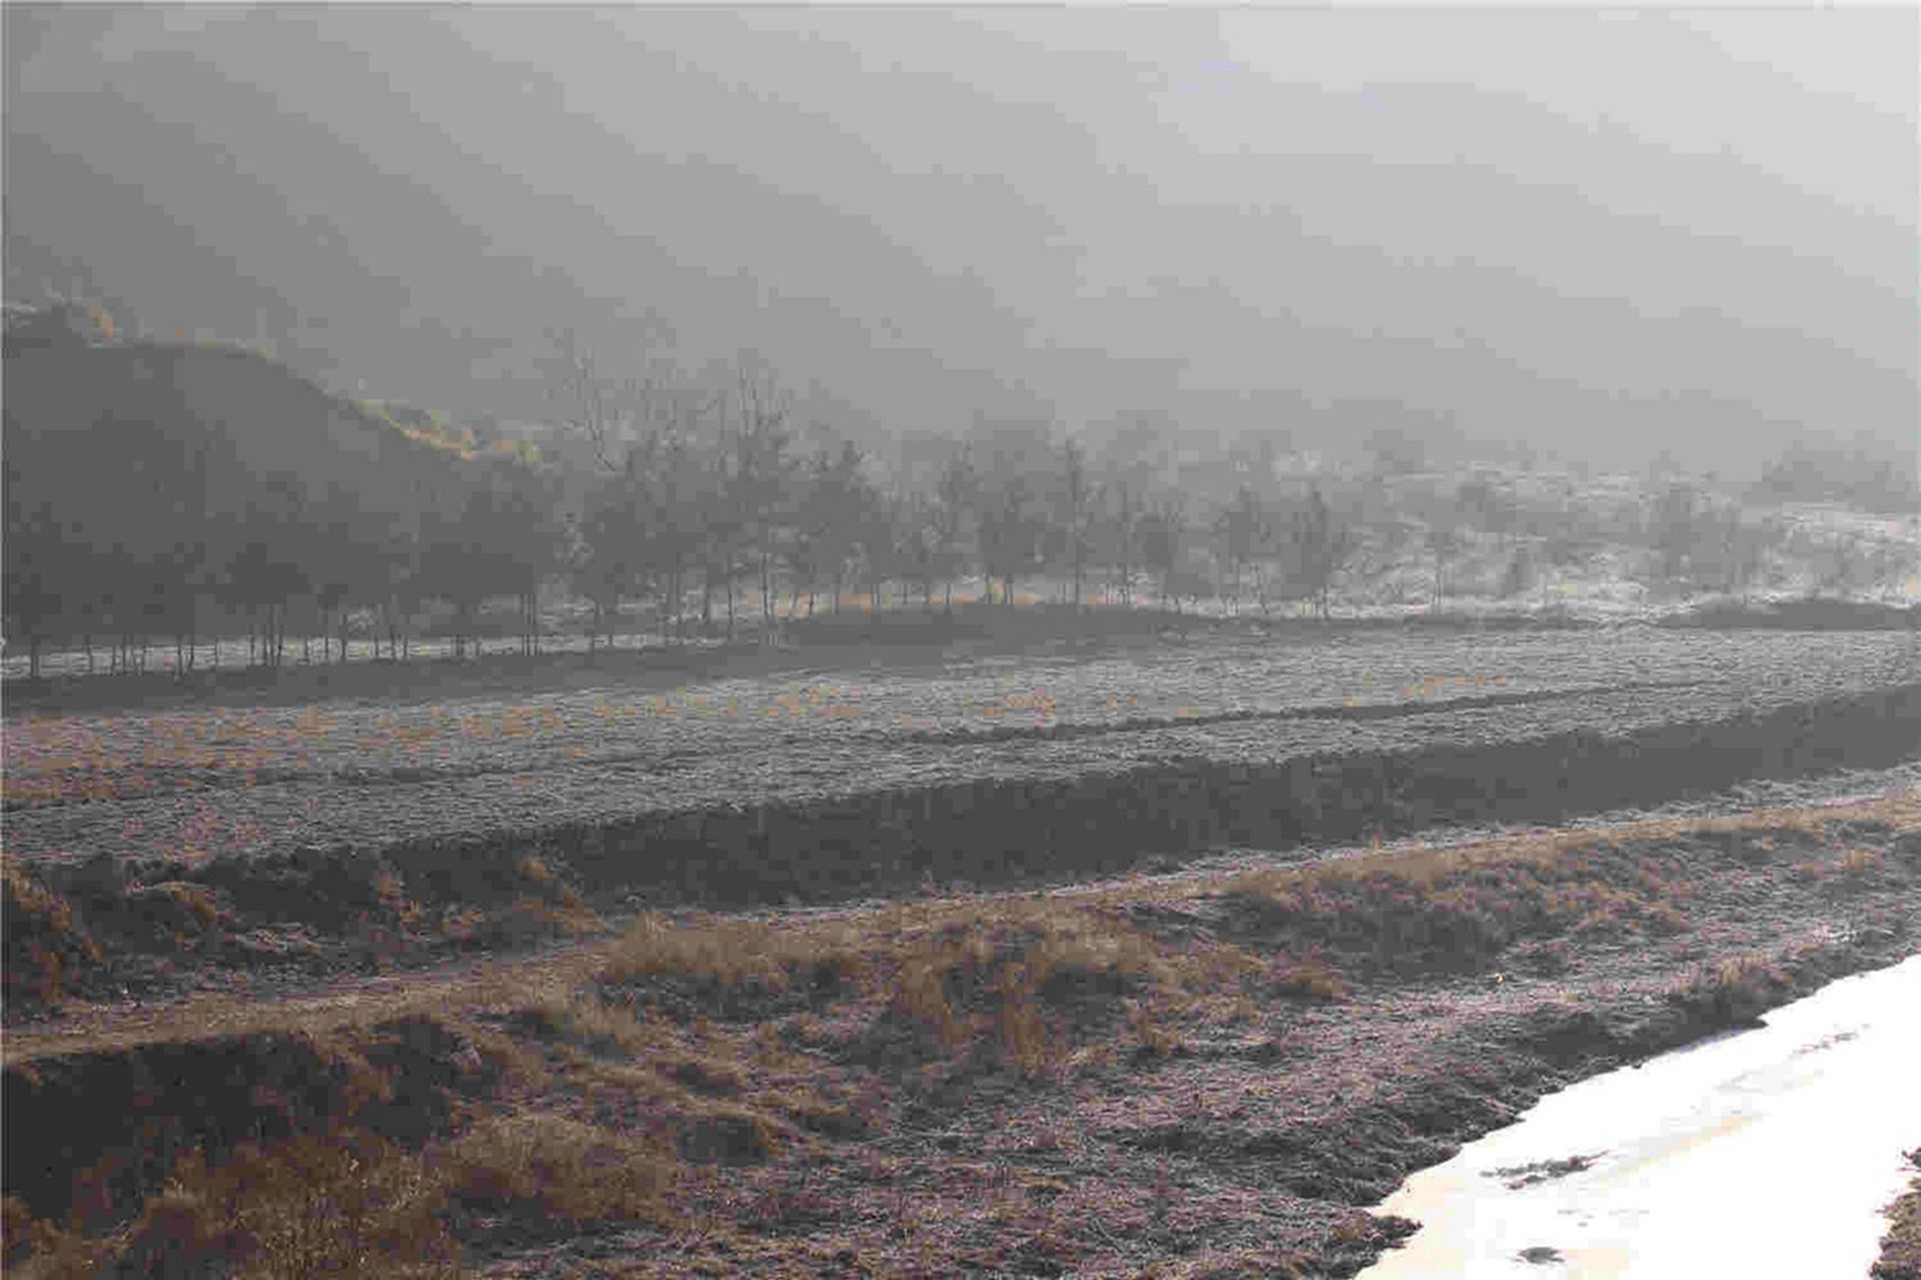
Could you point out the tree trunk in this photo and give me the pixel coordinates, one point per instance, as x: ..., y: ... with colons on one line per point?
x: 766, y: 594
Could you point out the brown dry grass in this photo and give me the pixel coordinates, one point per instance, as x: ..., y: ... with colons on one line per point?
x: 196, y: 900
x: 561, y: 1167
x: 729, y: 952
x: 1311, y: 977
x: 351, y: 1203
x: 346, y: 1011
x: 1733, y: 989
x: 624, y: 1075
x: 1004, y: 973
x: 902, y: 945
x: 340, y: 1204
x: 1462, y: 905
x: 43, y: 944
x: 1901, y: 1247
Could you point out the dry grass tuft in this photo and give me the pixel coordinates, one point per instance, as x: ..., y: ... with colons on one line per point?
x: 564, y: 1167
x: 1023, y: 975
x: 1734, y: 990
x: 351, y: 1203
x: 1155, y: 1037
x: 16, y: 1224
x: 728, y: 952
x: 1901, y: 1247
x: 1457, y: 908
x: 338, y: 1204
x: 1862, y: 863
x: 569, y: 915
x: 391, y: 890
x: 1309, y: 977
x: 196, y: 900
x: 43, y: 945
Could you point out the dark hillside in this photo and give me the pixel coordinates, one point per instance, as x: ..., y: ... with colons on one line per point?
x: 164, y: 491
x: 255, y: 418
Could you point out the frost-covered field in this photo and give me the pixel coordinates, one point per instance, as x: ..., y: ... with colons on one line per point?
x: 192, y: 784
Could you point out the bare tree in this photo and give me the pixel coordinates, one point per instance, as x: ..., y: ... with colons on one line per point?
x: 590, y: 400
x: 1079, y: 511
x: 1323, y: 544
x: 1163, y: 531
x: 758, y: 484
x: 1445, y: 542
x: 1124, y: 519
x: 954, y: 500
x: 1240, y: 535
x: 1013, y: 501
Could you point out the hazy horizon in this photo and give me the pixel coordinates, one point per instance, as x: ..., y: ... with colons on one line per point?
x: 1607, y: 235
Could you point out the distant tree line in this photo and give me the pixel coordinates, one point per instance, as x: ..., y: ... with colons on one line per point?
x: 706, y: 494
x: 158, y: 493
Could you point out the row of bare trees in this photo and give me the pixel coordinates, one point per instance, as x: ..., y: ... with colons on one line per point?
x: 158, y: 492
x: 698, y: 492
x: 133, y: 515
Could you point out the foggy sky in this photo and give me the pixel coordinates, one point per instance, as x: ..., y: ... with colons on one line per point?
x: 1606, y: 234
